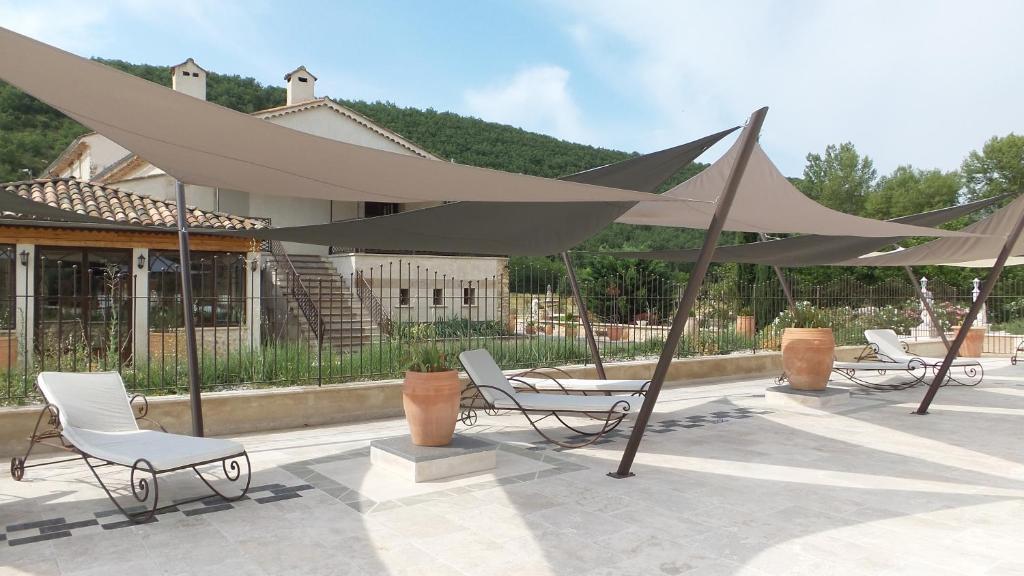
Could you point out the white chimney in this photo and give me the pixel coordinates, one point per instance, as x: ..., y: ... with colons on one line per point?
x: 189, y: 78
x: 300, y: 85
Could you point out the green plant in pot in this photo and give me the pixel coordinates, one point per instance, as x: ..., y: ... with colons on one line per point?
x: 570, y: 325
x: 745, y: 324
x: 430, y: 396
x: 808, y: 346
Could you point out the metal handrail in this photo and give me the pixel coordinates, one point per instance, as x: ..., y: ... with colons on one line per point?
x: 373, y: 304
x: 299, y: 291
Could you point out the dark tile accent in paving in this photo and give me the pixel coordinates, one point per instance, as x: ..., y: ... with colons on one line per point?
x: 68, y: 526
x: 208, y: 509
x: 37, y: 524
x: 279, y: 497
x: 39, y: 538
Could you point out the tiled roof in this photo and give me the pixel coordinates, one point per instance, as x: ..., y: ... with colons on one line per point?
x: 120, y: 206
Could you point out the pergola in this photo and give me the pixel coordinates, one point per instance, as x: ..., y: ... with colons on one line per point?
x: 201, y: 143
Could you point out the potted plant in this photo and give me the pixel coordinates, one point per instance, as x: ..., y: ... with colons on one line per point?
x: 808, y: 347
x: 745, y: 321
x: 570, y: 328
x: 974, y: 343
x: 430, y: 397
x: 530, y: 328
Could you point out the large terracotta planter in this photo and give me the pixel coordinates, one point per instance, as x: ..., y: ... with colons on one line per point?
x: 807, y: 355
x: 745, y: 325
x: 974, y: 343
x: 8, y: 351
x: 570, y: 330
x: 615, y: 332
x: 431, y: 403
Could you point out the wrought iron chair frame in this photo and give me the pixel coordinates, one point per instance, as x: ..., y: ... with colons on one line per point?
x: 610, y: 420
x: 974, y: 373
x: 52, y: 435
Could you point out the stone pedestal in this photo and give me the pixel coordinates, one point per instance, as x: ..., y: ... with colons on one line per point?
x: 785, y: 397
x: 465, y: 455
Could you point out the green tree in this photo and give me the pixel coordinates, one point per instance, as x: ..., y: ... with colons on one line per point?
x: 997, y: 169
x: 909, y: 191
x: 840, y: 179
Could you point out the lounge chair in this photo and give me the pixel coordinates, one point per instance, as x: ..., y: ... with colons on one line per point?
x: 536, y: 380
x: 499, y: 394
x: 915, y: 369
x: 886, y: 347
x: 91, y: 415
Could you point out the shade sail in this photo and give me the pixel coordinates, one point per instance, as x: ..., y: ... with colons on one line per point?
x: 511, y: 228
x: 812, y: 249
x: 201, y: 143
x: 765, y: 202
x: 645, y: 173
x: 979, y: 251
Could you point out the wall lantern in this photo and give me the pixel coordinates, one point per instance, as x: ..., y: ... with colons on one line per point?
x: 140, y: 262
x: 24, y: 257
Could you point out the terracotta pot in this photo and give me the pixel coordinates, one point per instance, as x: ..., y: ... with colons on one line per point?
x: 513, y: 322
x: 615, y: 332
x: 570, y: 330
x: 431, y: 403
x: 549, y: 329
x: 8, y: 351
x: 974, y: 343
x: 807, y: 355
x: 530, y: 330
x: 745, y: 325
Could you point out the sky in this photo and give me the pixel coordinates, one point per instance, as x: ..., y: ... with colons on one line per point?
x: 907, y: 82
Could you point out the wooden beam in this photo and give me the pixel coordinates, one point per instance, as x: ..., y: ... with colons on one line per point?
x: 46, y: 236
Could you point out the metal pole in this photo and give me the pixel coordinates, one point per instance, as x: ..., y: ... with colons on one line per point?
x: 194, y: 391
x: 690, y: 294
x: 986, y: 289
x: 595, y: 353
x: 782, y: 281
x: 927, y: 306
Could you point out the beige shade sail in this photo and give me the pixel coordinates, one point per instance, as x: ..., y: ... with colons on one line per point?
x: 977, y: 252
x: 201, y: 143
x: 765, y: 202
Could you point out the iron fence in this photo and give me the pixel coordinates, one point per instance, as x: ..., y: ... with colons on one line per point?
x: 370, y: 322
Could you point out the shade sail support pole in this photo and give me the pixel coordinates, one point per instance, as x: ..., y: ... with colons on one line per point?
x: 972, y: 315
x: 927, y: 306
x: 782, y: 281
x: 581, y: 306
x: 689, y: 297
x: 194, y: 390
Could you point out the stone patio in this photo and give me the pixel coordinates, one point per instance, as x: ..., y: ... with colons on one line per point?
x: 724, y: 485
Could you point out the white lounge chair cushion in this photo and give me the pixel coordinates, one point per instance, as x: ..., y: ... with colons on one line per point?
x: 484, y: 371
x: 888, y: 344
x: 876, y: 366
x: 90, y: 400
x: 580, y: 384
x: 164, y: 451
x: 96, y: 417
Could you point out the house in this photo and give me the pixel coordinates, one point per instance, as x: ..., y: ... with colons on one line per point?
x: 69, y: 287
x: 442, y: 287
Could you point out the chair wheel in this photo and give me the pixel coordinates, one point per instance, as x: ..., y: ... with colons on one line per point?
x: 491, y: 411
x: 468, y: 417
x: 17, y: 468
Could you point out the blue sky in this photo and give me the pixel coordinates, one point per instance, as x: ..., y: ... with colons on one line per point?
x: 919, y: 82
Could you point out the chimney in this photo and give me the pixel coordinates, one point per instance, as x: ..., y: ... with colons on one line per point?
x: 189, y: 78
x: 300, y: 85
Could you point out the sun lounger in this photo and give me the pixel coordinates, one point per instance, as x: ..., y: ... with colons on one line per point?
x: 915, y: 370
x: 499, y: 394
x: 544, y: 381
x: 91, y: 415
x: 885, y: 346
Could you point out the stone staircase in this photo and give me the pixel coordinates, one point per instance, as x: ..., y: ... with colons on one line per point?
x: 346, y: 324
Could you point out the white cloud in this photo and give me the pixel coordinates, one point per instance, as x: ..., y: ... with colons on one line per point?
x: 907, y: 82
x: 536, y: 99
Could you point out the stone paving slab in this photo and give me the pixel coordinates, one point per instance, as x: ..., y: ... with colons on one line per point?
x: 724, y: 485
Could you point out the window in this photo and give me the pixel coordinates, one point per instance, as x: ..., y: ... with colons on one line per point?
x: 218, y: 285
x: 303, y: 79
x: 438, y: 296
x: 403, y: 297
x: 469, y: 296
